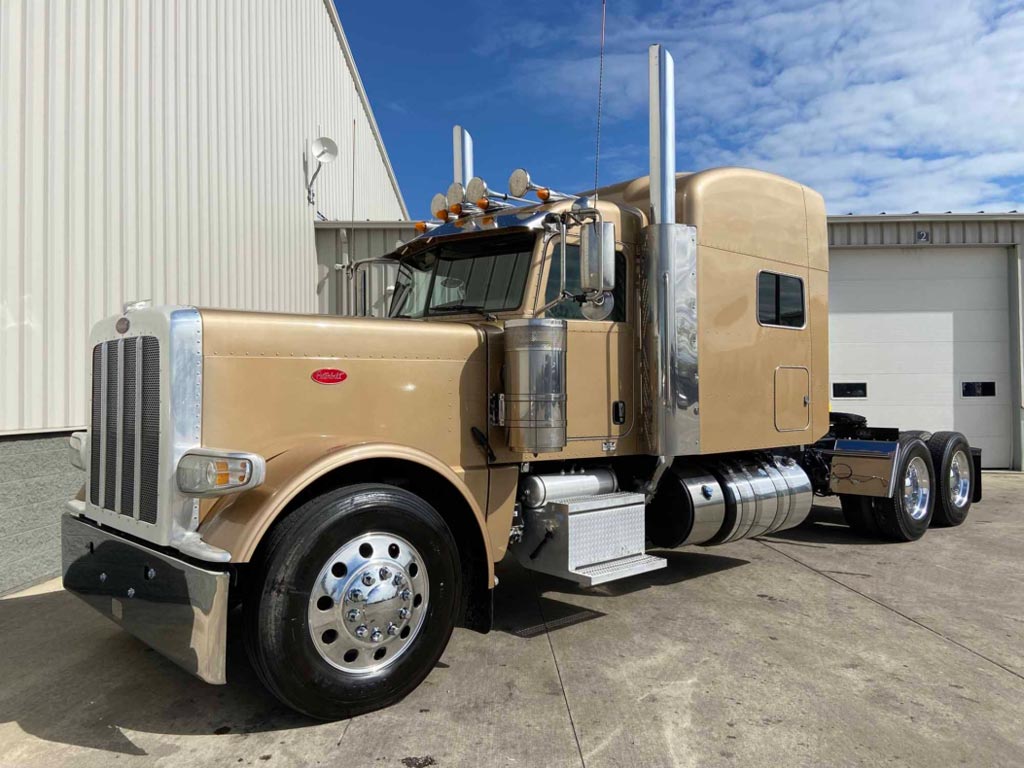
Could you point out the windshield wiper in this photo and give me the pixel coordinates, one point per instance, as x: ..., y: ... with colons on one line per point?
x: 452, y: 308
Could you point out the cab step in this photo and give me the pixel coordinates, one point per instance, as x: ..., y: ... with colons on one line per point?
x: 599, y: 573
x: 590, y: 539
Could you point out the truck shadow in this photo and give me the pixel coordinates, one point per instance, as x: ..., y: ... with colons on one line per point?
x: 824, y: 525
x: 540, y: 613
x: 73, y: 677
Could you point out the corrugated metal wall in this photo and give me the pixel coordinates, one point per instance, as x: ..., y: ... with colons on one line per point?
x: 363, y: 291
x: 153, y: 150
x: 987, y: 229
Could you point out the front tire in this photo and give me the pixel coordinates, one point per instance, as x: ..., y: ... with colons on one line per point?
x: 906, y: 515
x: 355, y: 597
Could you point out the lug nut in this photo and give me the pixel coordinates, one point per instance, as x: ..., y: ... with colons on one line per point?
x: 353, y: 615
x: 368, y: 579
x: 392, y: 628
x: 150, y: 574
x: 361, y: 630
x: 405, y: 594
x: 403, y: 613
x: 131, y: 591
x: 385, y: 574
x: 377, y: 635
x: 355, y: 595
x: 398, y: 580
x: 103, y: 577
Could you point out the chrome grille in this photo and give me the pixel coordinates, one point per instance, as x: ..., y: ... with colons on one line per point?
x: 125, y: 427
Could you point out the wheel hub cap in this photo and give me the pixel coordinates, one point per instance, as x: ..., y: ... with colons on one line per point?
x: 959, y: 480
x: 368, y: 603
x: 916, y: 488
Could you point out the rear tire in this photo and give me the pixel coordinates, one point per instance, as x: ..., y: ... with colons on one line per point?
x: 906, y: 515
x: 330, y: 633
x: 954, y: 469
x: 859, y: 515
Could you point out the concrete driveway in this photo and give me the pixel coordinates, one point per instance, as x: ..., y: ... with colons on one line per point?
x: 811, y: 647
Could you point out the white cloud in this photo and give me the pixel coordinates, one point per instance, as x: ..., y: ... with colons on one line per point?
x: 892, y: 105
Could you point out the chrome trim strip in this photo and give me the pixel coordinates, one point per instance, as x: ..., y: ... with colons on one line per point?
x: 119, y: 463
x: 186, y: 403
x: 103, y: 426
x: 138, y: 427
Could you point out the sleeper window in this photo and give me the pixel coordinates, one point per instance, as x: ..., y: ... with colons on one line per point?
x: 780, y: 300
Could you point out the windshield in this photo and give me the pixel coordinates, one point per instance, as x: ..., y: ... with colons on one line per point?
x: 480, y: 274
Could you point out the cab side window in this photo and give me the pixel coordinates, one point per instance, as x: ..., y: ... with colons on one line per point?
x: 780, y: 300
x: 570, y: 310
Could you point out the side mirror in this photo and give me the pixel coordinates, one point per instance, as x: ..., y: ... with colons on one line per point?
x: 597, y: 257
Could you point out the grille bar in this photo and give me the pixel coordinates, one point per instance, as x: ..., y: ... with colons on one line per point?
x: 125, y: 427
x: 128, y: 438
x: 95, y: 432
x: 110, y: 426
x: 150, y: 434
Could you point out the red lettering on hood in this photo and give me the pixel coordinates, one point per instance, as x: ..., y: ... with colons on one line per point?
x: 329, y: 376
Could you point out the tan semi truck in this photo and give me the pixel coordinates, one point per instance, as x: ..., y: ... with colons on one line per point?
x: 576, y: 383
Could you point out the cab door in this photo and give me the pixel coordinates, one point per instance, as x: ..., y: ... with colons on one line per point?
x: 599, y: 359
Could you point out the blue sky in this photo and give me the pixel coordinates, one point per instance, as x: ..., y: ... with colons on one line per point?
x: 881, y: 105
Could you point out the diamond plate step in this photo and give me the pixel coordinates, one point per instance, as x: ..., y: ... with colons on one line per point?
x: 599, y: 573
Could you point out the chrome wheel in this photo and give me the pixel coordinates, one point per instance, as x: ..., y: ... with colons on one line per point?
x: 960, y: 480
x: 916, y: 488
x: 368, y: 603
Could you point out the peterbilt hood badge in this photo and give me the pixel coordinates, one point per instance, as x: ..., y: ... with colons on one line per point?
x: 328, y: 376
x: 122, y: 325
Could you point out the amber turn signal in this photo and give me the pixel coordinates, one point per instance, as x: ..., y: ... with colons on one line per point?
x: 544, y: 194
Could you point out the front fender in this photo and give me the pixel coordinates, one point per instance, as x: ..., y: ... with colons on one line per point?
x: 238, y: 523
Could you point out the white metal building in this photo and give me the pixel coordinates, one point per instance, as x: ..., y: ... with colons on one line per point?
x: 925, y: 324
x: 154, y: 150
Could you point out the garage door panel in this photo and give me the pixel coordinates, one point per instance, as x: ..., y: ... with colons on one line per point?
x: 930, y: 389
x: 995, y: 451
x: 913, y: 325
x: 918, y: 264
x: 892, y: 326
x: 981, y: 325
x: 984, y: 420
x: 981, y: 358
x: 918, y: 357
x: 903, y: 416
x: 911, y: 295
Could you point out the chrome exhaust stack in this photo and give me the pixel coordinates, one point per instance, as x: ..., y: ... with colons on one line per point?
x: 669, y: 286
x: 662, y: 135
x: 462, y: 156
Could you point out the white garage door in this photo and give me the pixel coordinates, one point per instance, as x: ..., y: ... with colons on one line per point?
x: 920, y: 340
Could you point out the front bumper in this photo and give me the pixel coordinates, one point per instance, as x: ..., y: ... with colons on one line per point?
x: 176, y: 608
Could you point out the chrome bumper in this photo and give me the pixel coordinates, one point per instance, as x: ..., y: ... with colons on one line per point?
x: 174, y: 607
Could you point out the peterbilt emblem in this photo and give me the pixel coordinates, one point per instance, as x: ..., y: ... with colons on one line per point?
x: 122, y: 325
x: 328, y: 376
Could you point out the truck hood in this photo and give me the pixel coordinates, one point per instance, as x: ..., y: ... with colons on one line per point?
x: 271, y: 381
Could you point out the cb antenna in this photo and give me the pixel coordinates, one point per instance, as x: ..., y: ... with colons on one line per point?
x: 600, y: 90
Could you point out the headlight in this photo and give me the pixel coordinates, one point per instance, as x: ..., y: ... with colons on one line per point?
x: 207, y: 472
